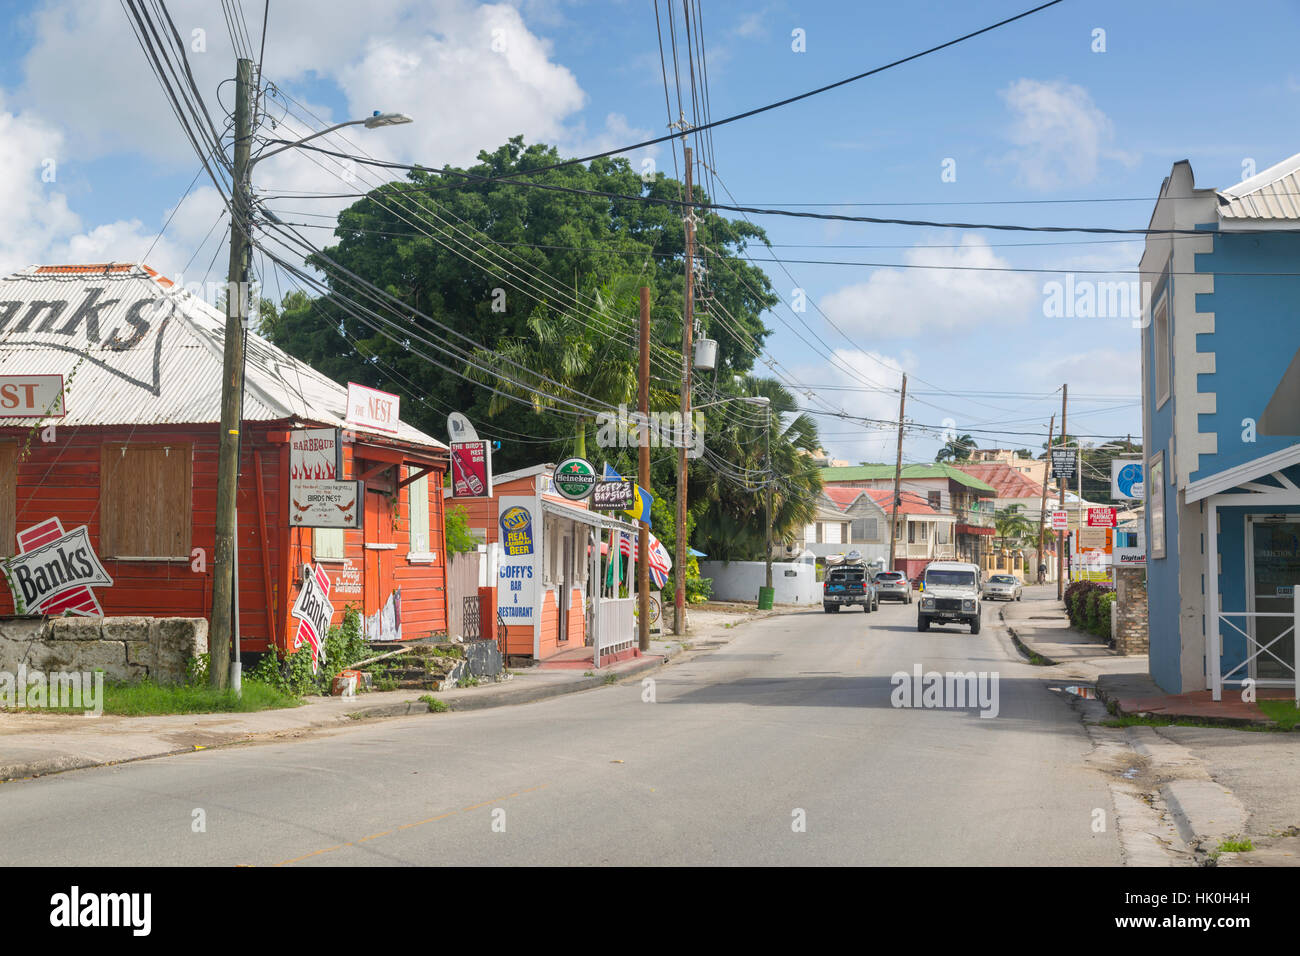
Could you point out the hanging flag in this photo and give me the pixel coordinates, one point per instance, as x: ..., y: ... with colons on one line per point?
x: 659, y: 561
x: 640, y: 510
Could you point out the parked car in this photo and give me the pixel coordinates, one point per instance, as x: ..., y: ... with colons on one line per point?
x: 849, y: 585
x: 950, y: 594
x: 1004, y: 587
x: 894, y: 586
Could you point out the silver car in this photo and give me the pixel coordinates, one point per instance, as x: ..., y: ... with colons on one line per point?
x: 894, y: 586
x: 1004, y: 587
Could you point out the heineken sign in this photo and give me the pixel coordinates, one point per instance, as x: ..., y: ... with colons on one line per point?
x: 575, y: 478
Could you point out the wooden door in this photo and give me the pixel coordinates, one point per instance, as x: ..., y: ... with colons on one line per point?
x: 380, y: 551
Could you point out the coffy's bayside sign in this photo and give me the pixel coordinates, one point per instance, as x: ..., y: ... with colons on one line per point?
x: 39, y: 576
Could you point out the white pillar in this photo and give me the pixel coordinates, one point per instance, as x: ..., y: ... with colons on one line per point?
x: 1213, y: 652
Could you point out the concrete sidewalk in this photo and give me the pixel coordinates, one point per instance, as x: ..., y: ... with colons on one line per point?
x: 1040, y: 624
x: 33, y: 743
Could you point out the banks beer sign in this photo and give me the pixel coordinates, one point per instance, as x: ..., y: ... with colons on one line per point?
x: 314, y: 612
x: 55, y: 570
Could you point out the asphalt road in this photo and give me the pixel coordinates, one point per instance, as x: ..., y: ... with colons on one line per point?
x: 791, y: 723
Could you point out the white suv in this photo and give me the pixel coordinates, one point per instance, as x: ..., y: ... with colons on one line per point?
x: 950, y: 593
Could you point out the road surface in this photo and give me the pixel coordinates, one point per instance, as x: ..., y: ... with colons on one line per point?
x: 780, y: 747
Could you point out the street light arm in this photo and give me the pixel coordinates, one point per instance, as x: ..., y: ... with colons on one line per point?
x: 299, y: 142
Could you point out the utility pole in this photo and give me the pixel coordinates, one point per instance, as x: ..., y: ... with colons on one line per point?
x: 1060, y: 535
x: 688, y: 315
x: 643, y: 479
x: 1042, y: 504
x: 771, y: 475
x: 225, y: 551
x: 898, y: 474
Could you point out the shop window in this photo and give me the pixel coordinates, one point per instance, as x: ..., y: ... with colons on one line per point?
x: 145, y: 506
x: 418, y: 503
x: 327, y: 544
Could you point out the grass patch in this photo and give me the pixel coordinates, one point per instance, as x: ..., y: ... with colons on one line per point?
x: 435, y: 705
x: 1281, y: 710
x: 1236, y: 846
x: 1133, y: 720
x: 149, y: 699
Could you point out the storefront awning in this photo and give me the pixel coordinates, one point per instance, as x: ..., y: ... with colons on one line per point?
x: 593, y: 518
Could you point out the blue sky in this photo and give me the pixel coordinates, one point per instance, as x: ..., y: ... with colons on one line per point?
x: 1029, y: 114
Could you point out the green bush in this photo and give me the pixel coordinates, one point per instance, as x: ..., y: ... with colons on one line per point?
x: 345, y: 644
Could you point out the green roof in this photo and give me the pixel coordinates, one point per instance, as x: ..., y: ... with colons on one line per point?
x: 875, y: 472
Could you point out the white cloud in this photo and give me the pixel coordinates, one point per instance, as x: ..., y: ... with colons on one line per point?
x: 33, y: 212
x: 897, y: 303
x: 848, y: 374
x: 1060, y: 135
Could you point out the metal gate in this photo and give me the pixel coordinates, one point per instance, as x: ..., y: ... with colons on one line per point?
x: 462, y: 583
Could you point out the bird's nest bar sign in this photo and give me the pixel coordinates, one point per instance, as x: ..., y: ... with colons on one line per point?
x: 317, y: 498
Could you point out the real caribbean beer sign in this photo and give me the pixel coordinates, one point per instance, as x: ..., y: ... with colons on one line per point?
x: 517, y: 531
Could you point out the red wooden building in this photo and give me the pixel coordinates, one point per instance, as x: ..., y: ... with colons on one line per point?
x: 134, y: 459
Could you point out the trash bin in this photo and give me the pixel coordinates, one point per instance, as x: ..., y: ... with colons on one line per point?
x: 765, y: 596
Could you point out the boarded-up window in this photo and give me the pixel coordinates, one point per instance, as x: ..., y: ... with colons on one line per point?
x: 418, y: 497
x: 327, y: 544
x: 8, y: 496
x: 145, y: 508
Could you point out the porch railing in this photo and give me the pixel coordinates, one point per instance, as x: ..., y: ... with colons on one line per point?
x: 470, y: 626
x: 615, y: 627
x: 1255, y: 649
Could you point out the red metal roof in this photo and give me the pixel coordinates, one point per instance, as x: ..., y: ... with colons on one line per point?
x: 912, y: 503
x: 1004, y: 479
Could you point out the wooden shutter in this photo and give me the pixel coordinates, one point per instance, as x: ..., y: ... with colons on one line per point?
x: 146, y: 500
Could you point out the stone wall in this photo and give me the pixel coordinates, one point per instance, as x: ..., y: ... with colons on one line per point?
x: 124, y: 648
x: 1130, y: 630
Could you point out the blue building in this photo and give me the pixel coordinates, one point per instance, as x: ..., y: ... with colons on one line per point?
x: 1221, y: 421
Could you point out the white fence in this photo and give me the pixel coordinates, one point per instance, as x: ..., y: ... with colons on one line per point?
x: 1254, y: 649
x: 615, y: 626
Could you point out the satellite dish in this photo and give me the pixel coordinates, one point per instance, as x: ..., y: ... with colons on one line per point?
x: 459, y: 428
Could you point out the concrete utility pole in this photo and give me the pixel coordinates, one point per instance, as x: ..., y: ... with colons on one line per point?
x: 643, y: 479
x: 688, y: 315
x: 898, y: 474
x: 232, y: 388
x: 1060, y: 535
x: 1042, y: 504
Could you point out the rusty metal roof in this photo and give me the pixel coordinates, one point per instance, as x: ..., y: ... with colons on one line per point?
x: 1273, y: 194
x: 135, y: 349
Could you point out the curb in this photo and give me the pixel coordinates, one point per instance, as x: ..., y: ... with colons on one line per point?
x: 1229, y: 723
x: 508, y: 698
x: 1022, y: 647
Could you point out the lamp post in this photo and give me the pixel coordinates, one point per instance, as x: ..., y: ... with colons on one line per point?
x: 225, y: 671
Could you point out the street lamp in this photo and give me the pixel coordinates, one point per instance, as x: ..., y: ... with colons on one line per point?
x: 225, y: 585
x: 765, y: 403
x: 374, y: 121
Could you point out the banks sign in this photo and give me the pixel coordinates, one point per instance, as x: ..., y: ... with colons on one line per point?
x: 62, y: 565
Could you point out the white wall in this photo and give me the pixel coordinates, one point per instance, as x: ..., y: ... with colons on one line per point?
x: 740, y: 581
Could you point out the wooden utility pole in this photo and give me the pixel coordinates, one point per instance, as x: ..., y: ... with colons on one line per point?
x: 643, y: 479
x: 688, y: 316
x: 232, y: 388
x: 1060, y: 535
x: 1042, y: 504
x: 898, y: 474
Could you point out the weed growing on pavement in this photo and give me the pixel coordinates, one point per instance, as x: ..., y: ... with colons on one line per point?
x: 611, y: 678
x: 468, y: 681
x: 435, y: 705
x: 1235, y: 846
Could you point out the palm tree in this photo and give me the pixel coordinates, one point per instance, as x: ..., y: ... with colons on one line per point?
x: 957, y: 449
x: 584, y: 348
x: 1012, y: 526
x: 732, y: 525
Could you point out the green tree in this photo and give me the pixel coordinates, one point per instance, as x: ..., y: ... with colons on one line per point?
x: 457, y: 530
x: 731, y: 524
x: 476, y: 256
x: 956, y: 449
x: 1013, y: 528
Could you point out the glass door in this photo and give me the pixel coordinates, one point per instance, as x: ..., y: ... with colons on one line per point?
x: 1275, y: 571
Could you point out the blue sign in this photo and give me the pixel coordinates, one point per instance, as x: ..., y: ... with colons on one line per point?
x: 517, y: 531
x: 1126, y: 479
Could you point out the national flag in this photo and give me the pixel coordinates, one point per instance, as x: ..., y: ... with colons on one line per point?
x: 640, y: 509
x: 659, y: 561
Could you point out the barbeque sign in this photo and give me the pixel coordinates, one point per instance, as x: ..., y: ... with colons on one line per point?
x: 317, y: 499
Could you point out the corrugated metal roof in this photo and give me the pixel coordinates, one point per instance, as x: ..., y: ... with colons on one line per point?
x: 1273, y: 194
x: 134, y: 349
x: 872, y: 472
